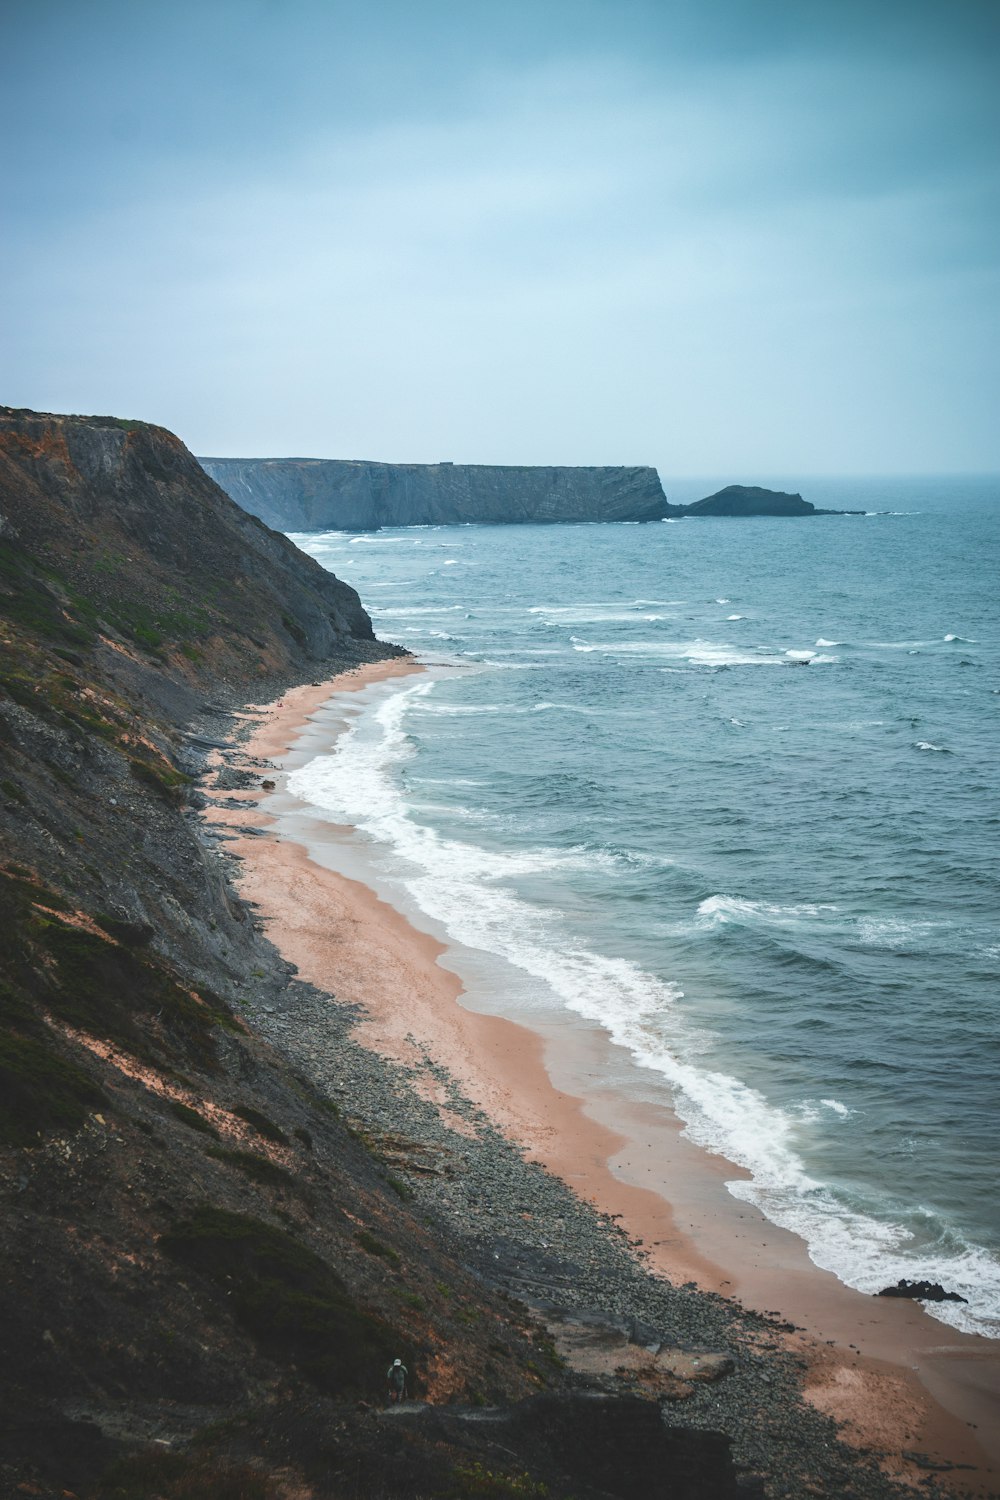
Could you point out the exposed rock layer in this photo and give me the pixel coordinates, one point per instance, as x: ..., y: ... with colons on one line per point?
x: 319, y: 494
x: 310, y: 494
x: 128, y: 516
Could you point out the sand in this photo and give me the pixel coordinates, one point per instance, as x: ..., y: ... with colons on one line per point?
x: 898, y: 1380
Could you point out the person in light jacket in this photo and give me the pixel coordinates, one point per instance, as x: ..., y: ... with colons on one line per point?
x: 396, y: 1381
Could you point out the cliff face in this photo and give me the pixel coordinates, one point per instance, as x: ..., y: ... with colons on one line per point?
x: 205, y: 1265
x: 162, y: 558
x: 174, y: 1220
x: 207, y: 1261
x: 308, y: 494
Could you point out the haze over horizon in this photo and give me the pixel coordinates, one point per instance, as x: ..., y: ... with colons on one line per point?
x: 753, y: 239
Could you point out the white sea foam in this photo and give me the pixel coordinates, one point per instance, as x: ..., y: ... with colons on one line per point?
x: 823, y: 642
x: 471, y: 892
x: 899, y: 932
x: 736, y: 617
x: 717, y: 911
x: 403, y: 612
x: 594, y: 614
x: 927, y: 745
x: 699, y: 653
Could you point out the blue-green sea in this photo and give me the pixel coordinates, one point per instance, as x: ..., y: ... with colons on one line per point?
x: 730, y: 789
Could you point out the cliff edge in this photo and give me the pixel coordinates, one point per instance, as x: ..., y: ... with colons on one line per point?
x: 312, y: 494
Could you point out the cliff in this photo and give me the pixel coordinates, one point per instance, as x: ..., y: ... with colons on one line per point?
x: 309, y: 494
x: 161, y: 561
x: 220, y: 1216
x: 207, y: 1262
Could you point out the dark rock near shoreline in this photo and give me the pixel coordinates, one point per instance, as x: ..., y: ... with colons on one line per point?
x: 923, y: 1291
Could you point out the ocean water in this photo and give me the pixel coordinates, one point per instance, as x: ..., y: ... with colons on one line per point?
x: 730, y: 789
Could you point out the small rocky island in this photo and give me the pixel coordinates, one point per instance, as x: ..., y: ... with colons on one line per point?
x: 752, y: 500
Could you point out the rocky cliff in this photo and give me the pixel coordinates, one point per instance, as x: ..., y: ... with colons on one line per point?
x: 220, y: 1216
x: 206, y: 1262
x: 309, y: 494
x: 160, y: 558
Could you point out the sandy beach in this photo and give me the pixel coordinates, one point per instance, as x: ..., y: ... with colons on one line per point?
x: 898, y: 1380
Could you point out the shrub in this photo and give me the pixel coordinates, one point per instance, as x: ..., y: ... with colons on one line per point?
x: 261, y: 1123
x: 191, y: 1117
x: 376, y: 1247
x: 258, y: 1167
x: 287, y: 1297
x: 39, y: 1090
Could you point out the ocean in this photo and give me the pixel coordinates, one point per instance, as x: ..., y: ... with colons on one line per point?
x: 728, y: 789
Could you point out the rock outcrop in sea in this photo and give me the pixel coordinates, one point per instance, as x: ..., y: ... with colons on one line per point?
x: 752, y: 500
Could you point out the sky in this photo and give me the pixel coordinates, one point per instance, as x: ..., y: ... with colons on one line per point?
x: 727, y: 237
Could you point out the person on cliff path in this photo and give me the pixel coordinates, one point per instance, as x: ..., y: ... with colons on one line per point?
x: 396, y: 1379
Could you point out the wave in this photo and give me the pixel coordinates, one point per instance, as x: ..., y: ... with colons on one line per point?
x: 719, y: 910
x: 595, y: 614
x: 403, y: 612
x: 471, y: 892
x: 698, y: 653
x: 962, y: 640
x: 927, y: 745
x: 894, y: 932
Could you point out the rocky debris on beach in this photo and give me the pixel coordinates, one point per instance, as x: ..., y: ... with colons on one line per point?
x: 526, y: 1235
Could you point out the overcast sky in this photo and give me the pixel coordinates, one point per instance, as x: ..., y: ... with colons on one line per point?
x: 740, y: 237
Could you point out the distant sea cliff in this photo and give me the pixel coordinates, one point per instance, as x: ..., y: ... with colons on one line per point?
x: 319, y: 494
x: 311, y: 494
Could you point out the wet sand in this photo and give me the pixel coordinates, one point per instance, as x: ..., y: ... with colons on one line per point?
x: 899, y: 1380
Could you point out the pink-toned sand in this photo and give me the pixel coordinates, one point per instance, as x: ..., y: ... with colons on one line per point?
x: 896, y: 1378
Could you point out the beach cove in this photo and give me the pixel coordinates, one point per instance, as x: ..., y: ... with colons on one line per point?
x: 898, y: 1381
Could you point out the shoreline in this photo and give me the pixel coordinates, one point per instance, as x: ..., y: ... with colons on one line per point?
x: 897, y: 1379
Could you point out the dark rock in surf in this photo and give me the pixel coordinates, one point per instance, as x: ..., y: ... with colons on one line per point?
x: 922, y: 1291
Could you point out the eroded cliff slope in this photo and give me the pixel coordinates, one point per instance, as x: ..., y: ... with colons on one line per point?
x: 206, y: 1263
